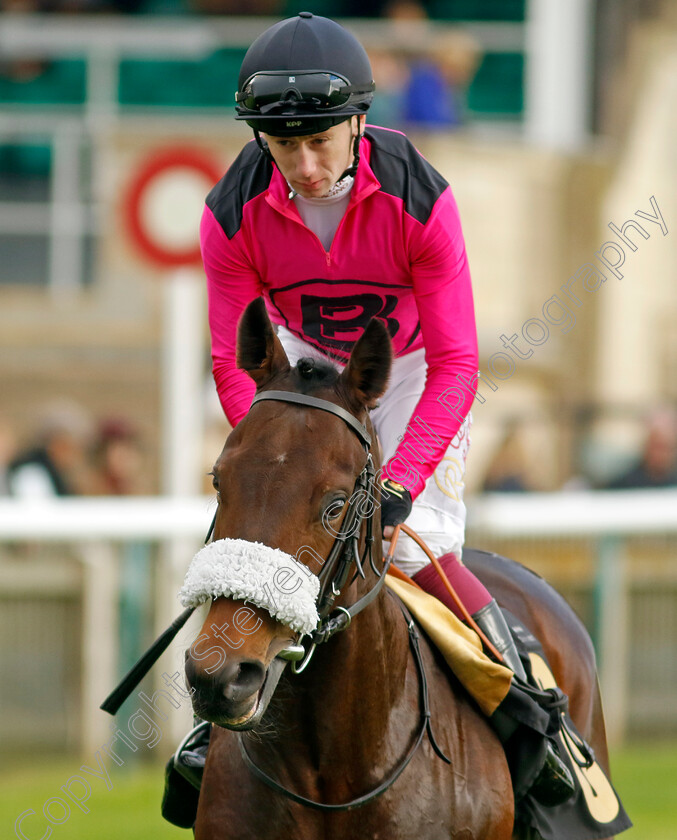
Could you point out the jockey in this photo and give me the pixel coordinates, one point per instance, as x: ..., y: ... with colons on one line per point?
x: 335, y: 222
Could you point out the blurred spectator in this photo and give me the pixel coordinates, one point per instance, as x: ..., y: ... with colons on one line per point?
x: 72, y: 6
x: 22, y: 69
x: 657, y: 465
x: 391, y: 75
x: 275, y: 8
x: 508, y: 472
x: 117, y: 458
x: 437, y: 67
x: 56, y: 464
x: 358, y: 8
x: 7, y: 450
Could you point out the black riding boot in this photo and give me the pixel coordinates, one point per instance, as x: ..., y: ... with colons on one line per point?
x: 183, y: 776
x: 554, y: 784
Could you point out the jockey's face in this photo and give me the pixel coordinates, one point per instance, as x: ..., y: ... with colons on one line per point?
x: 313, y: 163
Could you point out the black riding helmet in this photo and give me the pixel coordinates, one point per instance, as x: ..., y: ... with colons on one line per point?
x: 302, y: 76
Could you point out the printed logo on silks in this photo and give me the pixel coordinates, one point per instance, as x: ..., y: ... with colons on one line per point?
x: 344, y: 319
x: 335, y: 322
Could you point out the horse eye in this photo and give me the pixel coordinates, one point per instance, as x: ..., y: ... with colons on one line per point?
x: 334, y: 508
x: 215, y: 481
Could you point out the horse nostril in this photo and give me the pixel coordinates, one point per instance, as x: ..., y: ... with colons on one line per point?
x: 236, y: 683
x: 242, y: 679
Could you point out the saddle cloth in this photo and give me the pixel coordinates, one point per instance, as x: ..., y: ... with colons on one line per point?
x: 487, y: 682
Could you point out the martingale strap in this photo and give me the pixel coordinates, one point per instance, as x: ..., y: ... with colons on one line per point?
x: 323, y: 405
x: 377, y: 791
x: 140, y: 668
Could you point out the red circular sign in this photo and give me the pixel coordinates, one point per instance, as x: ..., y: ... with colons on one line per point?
x: 163, y: 204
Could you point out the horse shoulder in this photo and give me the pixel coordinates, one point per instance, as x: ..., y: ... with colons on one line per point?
x: 476, y: 784
x: 233, y: 805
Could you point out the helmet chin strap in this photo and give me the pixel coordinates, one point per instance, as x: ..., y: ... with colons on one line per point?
x: 352, y: 169
x: 263, y: 146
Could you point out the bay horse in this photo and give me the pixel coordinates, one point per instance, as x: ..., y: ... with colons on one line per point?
x: 347, y: 728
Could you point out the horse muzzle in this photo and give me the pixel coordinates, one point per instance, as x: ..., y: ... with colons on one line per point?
x: 238, y: 695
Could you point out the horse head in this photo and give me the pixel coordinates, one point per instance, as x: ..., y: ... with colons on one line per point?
x: 286, y: 486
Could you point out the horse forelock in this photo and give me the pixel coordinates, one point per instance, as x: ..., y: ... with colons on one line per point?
x: 311, y: 374
x: 320, y: 378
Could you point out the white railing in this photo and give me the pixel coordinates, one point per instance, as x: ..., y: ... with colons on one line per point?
x: 608, y: 521
x: 99, y: 527
x: 101, y: 530
x: 121, y: 519
x: 584, y: 513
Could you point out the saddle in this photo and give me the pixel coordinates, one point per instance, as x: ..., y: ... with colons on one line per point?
x: 531, y: 713
x: 487, y: 681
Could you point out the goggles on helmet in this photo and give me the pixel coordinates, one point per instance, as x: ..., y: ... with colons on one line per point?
x: 314, y: 91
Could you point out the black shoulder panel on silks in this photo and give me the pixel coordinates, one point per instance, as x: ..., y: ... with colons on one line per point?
x: 402, y: 172
x: 248, y: 176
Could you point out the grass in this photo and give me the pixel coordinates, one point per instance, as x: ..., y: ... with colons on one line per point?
x: 645, y: 776
x: 130, y: 810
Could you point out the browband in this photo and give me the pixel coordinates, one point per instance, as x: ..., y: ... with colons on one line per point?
x: 323, y: 405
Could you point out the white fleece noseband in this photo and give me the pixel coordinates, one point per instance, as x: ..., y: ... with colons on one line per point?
x: 251, y: 571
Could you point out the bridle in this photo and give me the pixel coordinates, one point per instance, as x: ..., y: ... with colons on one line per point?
x: 334, y: 575
x: 335, y: 572
x: 345, y: 550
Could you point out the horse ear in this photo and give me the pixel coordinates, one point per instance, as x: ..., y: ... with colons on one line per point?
x: 366, y: 375
x: 259, y: 351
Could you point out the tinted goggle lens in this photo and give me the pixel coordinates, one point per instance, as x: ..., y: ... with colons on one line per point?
x: 320, y: 91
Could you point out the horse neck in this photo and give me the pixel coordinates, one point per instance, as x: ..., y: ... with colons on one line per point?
x: 376, y: 641
x: 354, y: 683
